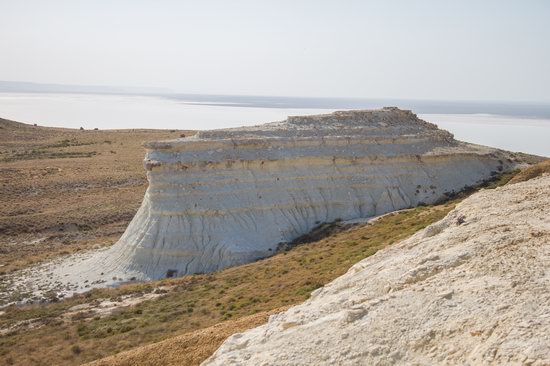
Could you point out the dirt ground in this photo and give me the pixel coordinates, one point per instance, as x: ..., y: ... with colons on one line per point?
x: 66, y: 190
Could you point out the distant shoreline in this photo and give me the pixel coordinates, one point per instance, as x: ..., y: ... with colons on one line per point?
x: 420, y: 106
x: 508, y: 128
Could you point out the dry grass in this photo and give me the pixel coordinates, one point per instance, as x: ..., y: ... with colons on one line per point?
x: 532, y: 172
x: 187, y: 349
x: 64, y: 190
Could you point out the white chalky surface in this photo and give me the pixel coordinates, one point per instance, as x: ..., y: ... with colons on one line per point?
x: 471, y: 289
x: 228, y: 197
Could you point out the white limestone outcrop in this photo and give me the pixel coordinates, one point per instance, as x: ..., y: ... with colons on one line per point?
x: 227, y: 197
x: 471, y: 289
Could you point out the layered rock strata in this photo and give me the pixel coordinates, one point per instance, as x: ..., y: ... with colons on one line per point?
x: 472, y: 289
x: 227, y: 197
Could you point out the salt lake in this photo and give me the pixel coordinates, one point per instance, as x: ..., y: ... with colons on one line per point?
x: 104, y: 111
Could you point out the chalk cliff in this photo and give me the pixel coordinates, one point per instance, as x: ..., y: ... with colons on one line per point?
x: 471, y: 289
x: 227, y: 197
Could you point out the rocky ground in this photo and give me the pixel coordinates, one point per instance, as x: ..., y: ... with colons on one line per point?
x: 473, y: 288
x: 83, y: 199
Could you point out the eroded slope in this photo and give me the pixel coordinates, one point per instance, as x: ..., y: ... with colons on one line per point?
x: 473, y: 288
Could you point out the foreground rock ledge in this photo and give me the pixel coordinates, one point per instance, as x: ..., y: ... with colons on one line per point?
x: 471, y: 289
x: 228, y: 197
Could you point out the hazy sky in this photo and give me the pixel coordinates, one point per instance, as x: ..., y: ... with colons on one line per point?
x: 478, y: 49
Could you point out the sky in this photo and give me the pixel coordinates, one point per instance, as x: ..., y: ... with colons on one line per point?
x: 422, y: 49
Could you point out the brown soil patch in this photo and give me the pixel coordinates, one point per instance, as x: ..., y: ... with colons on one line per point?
x: 65, y: 190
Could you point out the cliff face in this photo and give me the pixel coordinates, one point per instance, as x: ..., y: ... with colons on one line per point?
x: 471, y: 289
x: 227, y: 197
